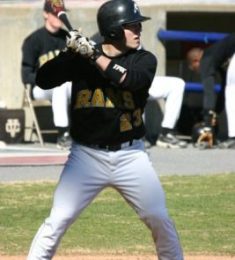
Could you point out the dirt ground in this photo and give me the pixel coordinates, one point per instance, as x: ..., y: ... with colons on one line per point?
x: 121, y: 257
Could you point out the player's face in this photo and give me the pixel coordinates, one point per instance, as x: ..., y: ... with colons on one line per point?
x: 53, y: 23
x: 132, y: 35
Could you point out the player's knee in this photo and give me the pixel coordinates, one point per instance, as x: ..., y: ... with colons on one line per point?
x: 63, y: 217
x: 155, y: 217
x: 180, y: 83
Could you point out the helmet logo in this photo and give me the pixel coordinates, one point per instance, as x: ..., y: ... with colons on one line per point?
x: 136, y: 8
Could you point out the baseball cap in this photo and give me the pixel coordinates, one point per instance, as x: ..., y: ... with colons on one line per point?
x: 54, y: 6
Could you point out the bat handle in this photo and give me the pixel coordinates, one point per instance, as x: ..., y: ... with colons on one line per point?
x: 63, y: 17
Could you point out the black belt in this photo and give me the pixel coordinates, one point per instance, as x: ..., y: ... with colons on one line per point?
x: 110, y: 148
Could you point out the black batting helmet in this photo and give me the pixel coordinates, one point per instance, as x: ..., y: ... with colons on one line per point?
x: 113, y: 14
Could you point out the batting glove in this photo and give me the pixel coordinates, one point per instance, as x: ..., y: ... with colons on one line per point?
x: 71, y: 40
x: 85, y: 47
x: 82, y: 45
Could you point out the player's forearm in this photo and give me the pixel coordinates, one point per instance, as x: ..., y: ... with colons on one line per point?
x: 115, y: 72
x: 140, y: 75
x: 54, y: 72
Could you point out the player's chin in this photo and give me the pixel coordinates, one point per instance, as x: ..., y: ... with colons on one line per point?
x: 134, y: 45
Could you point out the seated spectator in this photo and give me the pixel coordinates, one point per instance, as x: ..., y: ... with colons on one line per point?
x: 40, y: 46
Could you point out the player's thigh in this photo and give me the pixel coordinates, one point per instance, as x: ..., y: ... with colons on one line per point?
x: 162, y: 86
x: 81, y: 180
x: 62, y: 92
x: 39, y: 93
x: 139, y: 184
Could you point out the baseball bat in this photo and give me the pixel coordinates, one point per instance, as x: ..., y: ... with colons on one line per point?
x: 64, y: 18
x: 59, y: 11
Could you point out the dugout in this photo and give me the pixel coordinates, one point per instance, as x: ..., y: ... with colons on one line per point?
x: 183, y: 31
x: 216, y: 25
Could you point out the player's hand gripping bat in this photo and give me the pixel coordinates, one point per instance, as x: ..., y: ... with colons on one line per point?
x: 76, y: 41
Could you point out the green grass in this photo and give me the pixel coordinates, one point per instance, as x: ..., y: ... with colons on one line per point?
x: 203, y: 208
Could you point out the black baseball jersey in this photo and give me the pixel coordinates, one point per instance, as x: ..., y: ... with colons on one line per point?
x: 103, y: 112
x: 215, y: 60
x: 38, y: 48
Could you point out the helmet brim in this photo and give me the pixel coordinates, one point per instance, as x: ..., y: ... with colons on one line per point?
x: 138, y: 20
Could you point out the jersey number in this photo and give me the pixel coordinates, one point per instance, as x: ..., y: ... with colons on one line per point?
x: 128, y: 121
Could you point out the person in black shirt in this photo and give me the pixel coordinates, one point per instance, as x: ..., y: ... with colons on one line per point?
x: 171, y: 90
x: 211, y: 62
x: 110, y: 83
x: 40, y: 46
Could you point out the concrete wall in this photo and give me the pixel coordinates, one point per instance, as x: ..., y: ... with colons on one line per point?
x: 19, y: 18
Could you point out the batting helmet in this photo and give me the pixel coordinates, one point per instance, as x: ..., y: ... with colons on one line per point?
x: 113, y: 14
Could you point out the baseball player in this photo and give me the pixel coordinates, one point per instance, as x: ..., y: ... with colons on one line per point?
x: 110, y: 83
x: 40, y: 46
x: 209, y: 63
x: 171, y: 89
